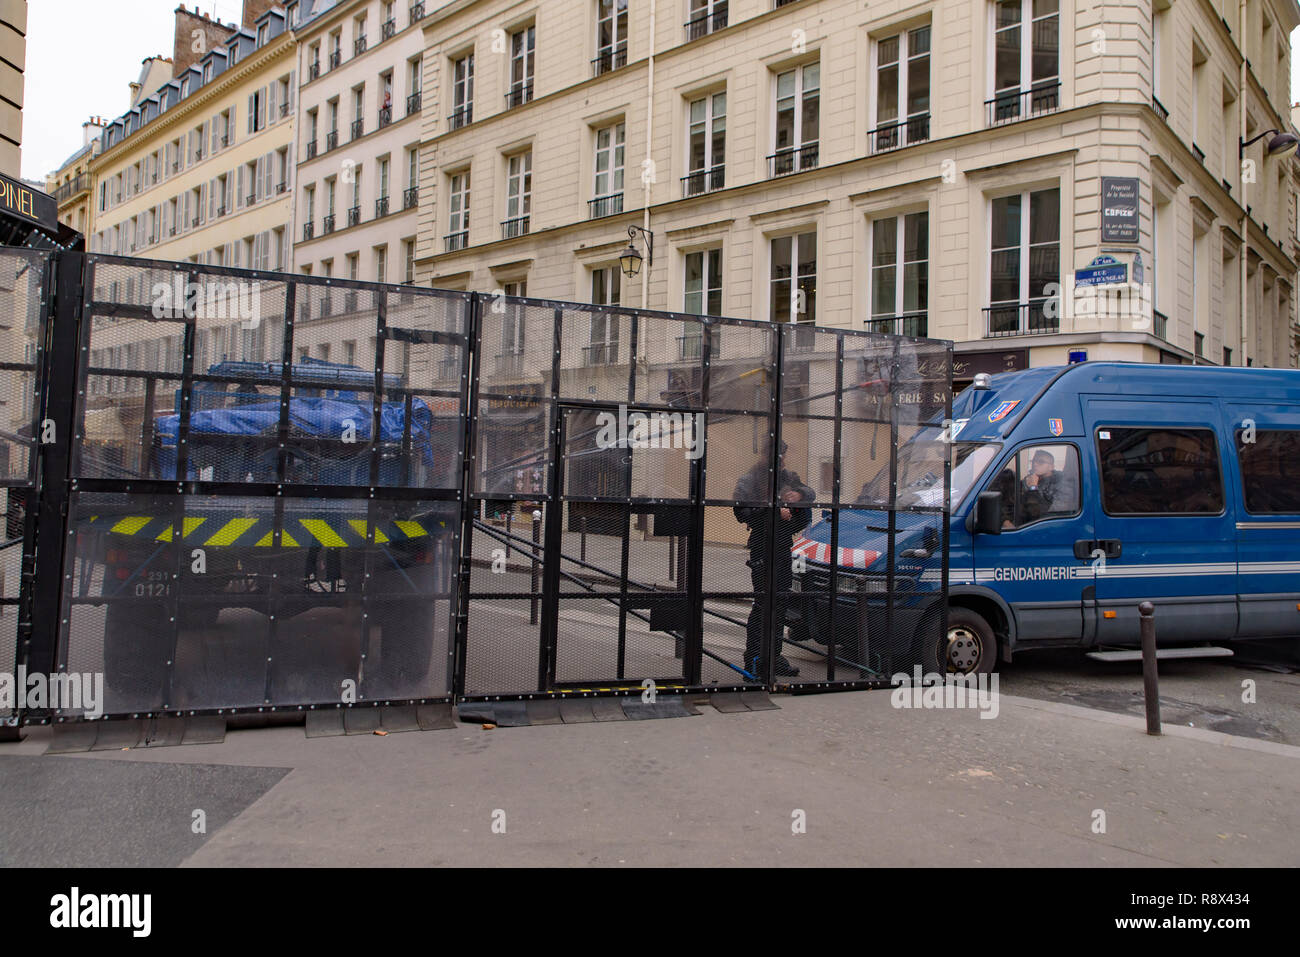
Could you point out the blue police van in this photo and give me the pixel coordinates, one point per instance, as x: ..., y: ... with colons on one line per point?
x: 1079, y: 492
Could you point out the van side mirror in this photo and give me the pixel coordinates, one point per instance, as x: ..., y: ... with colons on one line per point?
x: 988, y: 514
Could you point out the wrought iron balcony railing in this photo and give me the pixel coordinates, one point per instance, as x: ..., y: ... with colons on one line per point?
x: 600, y: 353
x: 336, y: 58
x: 381, y: 207
x: 1022, y: 318
x: 308, y: 231
x: 417, y: 11
x: 612, y: 58
x: 704, y: 25
x: 388, y: 29
x: 704, y: 180
x: 354, y: 215
x: 890, y: 136
x: 455, y: 241
x: 359, y: 45
x: 519, y: 94
x: 793, y: 160
x: 461, y: 117
x: 331, y: 140
x: 385, y: 116
x: 691, y: 345
x: 902, y: 324
x: 358, y: 128
x: 518, y: 226
x: 327, y: 225
x: 605, y: 206
x: 311, y: 149
x: 410, y: 197
x: 1011, y: 106
x: 313, y: 70
x: 413, y: 102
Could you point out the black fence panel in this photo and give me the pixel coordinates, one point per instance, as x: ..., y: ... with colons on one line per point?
x: 278, y: 492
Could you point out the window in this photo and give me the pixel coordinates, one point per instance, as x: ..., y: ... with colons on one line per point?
x: 522, y: 46
x: 414, y: 84
x: 900, y: 274
x: 1039, y: 482
x: 1026, y: 72
x: 458, y: 232
x: 705, y: 17
x: 512, y: 328
x: 706, y: 145
x: 354, y: 210
x: 261, y: 34
x: 336, y: 48
x: 381, y: 264
x: 462, y: 92
x: 605, y: 291
x: 611, y: 35
x: 385, y: 98
x: 609, y: 171
x: 1024, y: 262
x: 797, y: 120
x: 902, y: 90
x: 359, y: 35
x: 1270, y: 471
x: 381, y: 202
x: 702, y: 297
x: 793, y: 279
x: 358, y: 107
x: 519, y: 194
x: 1159, y: 471
x: 408, y: 261
x: 257, y: 111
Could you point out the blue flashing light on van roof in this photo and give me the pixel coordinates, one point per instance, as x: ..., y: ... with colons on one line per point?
x: 1077, y: 492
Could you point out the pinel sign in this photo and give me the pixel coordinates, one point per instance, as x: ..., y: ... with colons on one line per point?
x: 30, y: 205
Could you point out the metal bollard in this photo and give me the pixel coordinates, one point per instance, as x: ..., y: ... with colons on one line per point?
x: 1150, y: 682
x: 672, y: 558
x: 582, y: 547
x: 537, y: 540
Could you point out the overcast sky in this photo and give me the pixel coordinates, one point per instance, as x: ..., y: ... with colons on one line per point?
x: 81, y: 54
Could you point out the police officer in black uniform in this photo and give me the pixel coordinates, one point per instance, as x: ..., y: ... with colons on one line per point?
x: 789, y: 521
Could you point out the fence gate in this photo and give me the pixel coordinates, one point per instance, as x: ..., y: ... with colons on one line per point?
x: 266, y: 492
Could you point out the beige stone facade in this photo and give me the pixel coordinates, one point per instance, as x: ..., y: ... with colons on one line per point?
x: 13, y: 61
x: 942, y: 161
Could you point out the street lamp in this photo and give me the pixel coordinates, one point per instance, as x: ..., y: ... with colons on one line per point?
x: 1280, y: 144
x: 629, y: 259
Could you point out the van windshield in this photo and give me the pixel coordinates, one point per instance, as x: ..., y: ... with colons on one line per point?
x: 920, y: 473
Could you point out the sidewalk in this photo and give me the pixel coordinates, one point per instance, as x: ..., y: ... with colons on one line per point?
x: 877, y: 785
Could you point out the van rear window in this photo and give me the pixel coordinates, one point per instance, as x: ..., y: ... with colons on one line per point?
x: 1270, y: 470
x: 1159, y: 471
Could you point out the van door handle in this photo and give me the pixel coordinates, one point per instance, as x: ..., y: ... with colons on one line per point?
x: 1083, y: 548
x: 1111, y: 547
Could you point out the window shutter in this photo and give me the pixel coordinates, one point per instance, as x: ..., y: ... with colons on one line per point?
x: 270, y: 101
x: 230, y: 126
x: 261, y: 110
x: 252, y: 115
x: 293, y: 85
x: 268, y: 177
x: 214, y: 136
x: 185, y: 213
x: 239, y: 196
x: 203, y: 204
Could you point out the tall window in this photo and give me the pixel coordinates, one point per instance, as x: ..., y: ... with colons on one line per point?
x: 1026, y: 55
x: 408, y: 261
x: 900, y: 252
x: 522, y: 46
x: 706, y: 16
x: 609, y: 171
x: 1024, y: 259
x: 462, y: 92
x: 458, y: 233
x: 611, y: 35
x: 798, y: 111
x: 793, y: 294
x: 605, y: 291
x: 512, y: 328
x: 519, y: 194
x: 902, y: 90
x: 707, y: 145
x: 703, y: 297
x: 381, y: 264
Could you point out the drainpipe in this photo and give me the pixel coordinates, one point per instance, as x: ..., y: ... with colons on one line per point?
x: 649, y: 151
x: 1245, y: 217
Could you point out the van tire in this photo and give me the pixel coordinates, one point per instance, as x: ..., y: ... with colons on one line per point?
x: 970, y: 647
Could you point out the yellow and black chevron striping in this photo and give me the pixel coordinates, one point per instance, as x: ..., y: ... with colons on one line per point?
x: 224, y: 531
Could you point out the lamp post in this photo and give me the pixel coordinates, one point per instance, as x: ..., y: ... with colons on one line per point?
x: 1280, y: 145
x: 629, y: 260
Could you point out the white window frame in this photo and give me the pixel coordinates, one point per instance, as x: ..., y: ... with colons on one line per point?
x: 794, y: 277
x: 1026, y: 27
x: 458, y: 199
x: 796, y: 148
x: 519, y: 185
x: 899, y: 265
x: 1025, y: 248
x: 709, y: 127
x: 616, y: 151
x: 902, y: 120
x: 523, y: 50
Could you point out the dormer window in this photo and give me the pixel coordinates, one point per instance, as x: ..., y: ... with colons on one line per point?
x: 261, y: 35
x: 207, y: 71
x: 185, y: 87
x: 234, y: 52
x: 292, y: 14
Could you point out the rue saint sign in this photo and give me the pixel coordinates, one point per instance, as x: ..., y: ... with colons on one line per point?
x: 1119, y: 209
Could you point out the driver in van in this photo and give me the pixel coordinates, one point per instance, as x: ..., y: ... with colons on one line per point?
x: 1042, y: 488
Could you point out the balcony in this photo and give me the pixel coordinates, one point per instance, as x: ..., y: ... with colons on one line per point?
x: 354, y: 215
x: 1159, y: 108
x: 336, y: 59
x: 1200, y: 153
x: 284, y: 109
x: 410, y: 197
x: 358, y: 128
x: 519, y: 94
x: 413, y: 103
x: 903, y: 324
x: 331, y: 140
x: 417, y: 11
x: 311, y: 149
x: 281, y: 186
x: 518, y: 226
x: 691, y: 345
x: 793, y: 160
x: 605, y: 206
x: 198, y: 155
x: 385, y: 116
x: 704, y: 25
x: 313, y: 70
x: 456, y: 241
x: 1011, y: 106
x: 703, y: 180
x: 195, y: 223
x: 600, y: 353
x: 890, y: 136
x: 381, y: 207
x: 1021, y: 319
x: 172, y: 231
x: 221, y: 211
x: 359, y: 45
x: 308, y: 231
x: 609, y: 59
x: 1160, y: 324
x: 327, y: 225
x: 461, y: 117
x: 225, y: 141
x: 71, y: 188
x: 387, y: 31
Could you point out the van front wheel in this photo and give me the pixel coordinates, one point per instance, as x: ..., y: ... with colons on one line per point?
x: 970, y: 647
